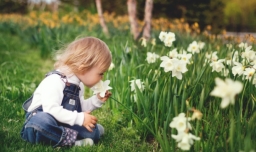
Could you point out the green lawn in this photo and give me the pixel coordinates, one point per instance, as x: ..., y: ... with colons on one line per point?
x: 134, y: 120
x: 22, y: 69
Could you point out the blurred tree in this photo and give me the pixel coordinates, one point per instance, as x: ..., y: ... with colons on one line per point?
x: 132, y: 5
x: 76, y: 4
x: 9, y: 6
x: 240, y: 15
x: 234, y: 15
x: 101, y: 17
x: 147, y: 19
x: 214, y: 16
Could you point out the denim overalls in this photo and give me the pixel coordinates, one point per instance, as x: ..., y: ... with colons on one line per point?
x: 41, y: 127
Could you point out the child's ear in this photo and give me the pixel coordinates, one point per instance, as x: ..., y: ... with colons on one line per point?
x: 82, y: 67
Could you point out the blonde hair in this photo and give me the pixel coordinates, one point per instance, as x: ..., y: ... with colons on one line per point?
x: 82, y: 54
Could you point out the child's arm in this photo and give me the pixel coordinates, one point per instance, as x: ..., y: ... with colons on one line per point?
x: 50, y: 94
x: 93, y: 102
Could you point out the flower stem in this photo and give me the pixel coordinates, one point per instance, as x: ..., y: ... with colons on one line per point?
x: 241, y: 101
x: 135, y: 116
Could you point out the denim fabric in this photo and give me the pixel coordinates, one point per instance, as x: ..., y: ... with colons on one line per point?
x: 41, y: 127
x: 71, y: 100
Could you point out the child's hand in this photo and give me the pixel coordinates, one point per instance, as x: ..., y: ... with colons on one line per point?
x: 89, y: 121
x: 105, y: 98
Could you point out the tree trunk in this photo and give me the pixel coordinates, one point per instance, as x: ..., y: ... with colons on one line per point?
x: 76, y: 4
x: 147, y: 19
x: 131, y: 4
x: 101, y: 17
x: 55, y: 5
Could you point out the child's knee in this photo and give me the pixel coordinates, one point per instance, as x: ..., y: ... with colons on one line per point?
x: 41, y: 122
x: 28, y: 134
x: 35, y: 134
x: 41, y: 127
x: 42, y: 119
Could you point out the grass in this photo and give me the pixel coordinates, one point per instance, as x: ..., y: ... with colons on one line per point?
x: 134, y: 120
x: 22, y: 69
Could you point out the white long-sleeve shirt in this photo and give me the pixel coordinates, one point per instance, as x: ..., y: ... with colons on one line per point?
x: 49, y: 94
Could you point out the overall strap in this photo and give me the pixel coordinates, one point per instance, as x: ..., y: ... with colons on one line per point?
x: 63, y: 76
x: 56, y: 72
x: 28, y: 102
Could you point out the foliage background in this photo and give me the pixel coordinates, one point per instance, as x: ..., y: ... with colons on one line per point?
x: 232, y: 15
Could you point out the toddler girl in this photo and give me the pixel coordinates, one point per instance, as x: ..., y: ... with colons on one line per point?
x: 57, y: 113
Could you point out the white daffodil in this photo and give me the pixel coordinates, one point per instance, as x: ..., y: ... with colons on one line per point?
x: 101, y: 87
x: 254, y: 80
x: 173, y: 53
x: 253, y: 62
x: 248, y: 73
x: 185, y: 140
x: 228, y: 61
x: 229, y: 46
x: 127, y: 50
x: 151, y: 57
x: 213, y: 56
x: 112, y: 65
x: 139, y: 84
x: 225, y: 72
x: 181, y: 123
x: 185, y: 57
x: 179, y: 67
x: 188, y: 139
x: 196, y: 114
x: 208, y: 55
x: 167, y: 63
x: 168, y: 43
x: 207, y: 58
x: 153, y: 42
x: 243, y: 45
x: 162, y: 36
x: 235, y: 57
x: 226, y: 90
x: 193, y: 47
x: 238, y: 69
x: 217, y: 65
x: 201, y: 45
x: 244, y: 62
x: 176, y: 66
x: 170, y: 37
x: 248, y: 54
x: 144, y: 42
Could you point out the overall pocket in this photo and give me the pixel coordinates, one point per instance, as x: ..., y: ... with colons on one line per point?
x: 71, y: 102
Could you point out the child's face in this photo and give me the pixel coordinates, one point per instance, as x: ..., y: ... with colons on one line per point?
x: 91, y: 77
